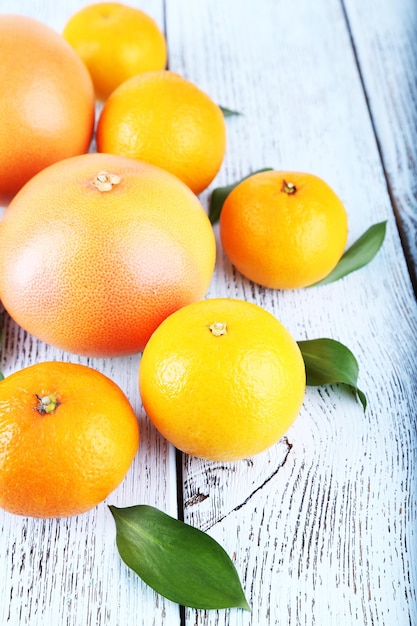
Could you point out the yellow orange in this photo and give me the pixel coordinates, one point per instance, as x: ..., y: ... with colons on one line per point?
x: 115, y: 41
x: 164, y: 119
x: 222, y: 379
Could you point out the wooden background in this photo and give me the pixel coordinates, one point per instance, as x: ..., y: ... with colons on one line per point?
x: 322, y: 527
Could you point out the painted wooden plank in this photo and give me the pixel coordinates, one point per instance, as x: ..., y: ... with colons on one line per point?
x: 322, y: 526
x: 384, y: 36
x: 68, y: 571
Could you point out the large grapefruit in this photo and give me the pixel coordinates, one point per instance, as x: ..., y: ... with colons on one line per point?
x: 46, y: 105
x: 96, y: 250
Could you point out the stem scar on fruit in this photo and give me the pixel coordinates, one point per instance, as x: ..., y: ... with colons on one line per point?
x: 218, y: 328
x: 47, y: 404
x: 288, y: 188
x: 104, y: 181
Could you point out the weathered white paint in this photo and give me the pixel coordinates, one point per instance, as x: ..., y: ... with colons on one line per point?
x: 322, y: 527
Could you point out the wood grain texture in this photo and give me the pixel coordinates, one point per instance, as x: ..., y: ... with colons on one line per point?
x: 322, y: 527
x: 385, y: 42
x: 311, y: 522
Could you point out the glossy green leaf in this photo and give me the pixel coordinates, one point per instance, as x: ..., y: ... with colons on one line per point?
x: 177, y: 560
x: 359, y: 254
x: 220, y: 194
x: 229, y: 112
x: 327, y: 362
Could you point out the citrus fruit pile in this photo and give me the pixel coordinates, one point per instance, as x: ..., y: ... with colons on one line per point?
x: 150, y: 113
x: 110, y: 252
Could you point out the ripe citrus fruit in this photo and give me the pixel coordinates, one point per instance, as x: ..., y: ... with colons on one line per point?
x: 115, y: 42
x: 164, y: 119
x: 68, y: 436
x: 283, y: 230
x: 222, y: 379
x: 95, y: 251
x: 47, y: 102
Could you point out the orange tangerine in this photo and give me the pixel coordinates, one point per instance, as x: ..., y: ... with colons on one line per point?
x: 283, y: 230
x: 68, y: 436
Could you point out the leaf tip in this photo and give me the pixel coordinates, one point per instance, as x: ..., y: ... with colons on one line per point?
x: 362, y: 399
x: 229, y: 112
x: 245, y: 606
x: 113, y: 510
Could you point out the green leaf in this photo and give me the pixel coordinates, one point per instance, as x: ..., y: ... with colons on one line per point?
x: 327, y: 361
x: 359, y: 254
x: 177, y: 560
x: 220, y: 194
x: 229, y: 112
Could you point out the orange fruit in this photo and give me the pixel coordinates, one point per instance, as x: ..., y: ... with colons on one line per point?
x: 283, y: 230
x: 95, y: 251
x: 68, y: 436
x: 222, y: 379
x: 115, y: 42
x: 164, y: 119
x: 47, y: 103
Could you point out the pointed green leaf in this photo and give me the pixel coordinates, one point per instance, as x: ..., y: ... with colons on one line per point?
x: 327, y: 361
x: 220, y: 194
x: 229, y: 112
x: 359, y: 254
x: 177, y: 560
